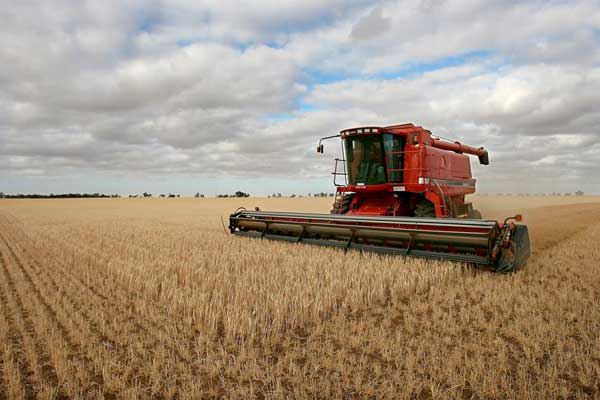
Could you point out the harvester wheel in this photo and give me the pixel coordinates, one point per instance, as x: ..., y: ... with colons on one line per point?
x: 425, y: 209
x: 517, y: 253
x: 507, y: 260
x: 342, y: 205
x: 474, y: 214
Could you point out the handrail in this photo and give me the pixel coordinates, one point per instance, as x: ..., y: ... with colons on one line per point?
x: 441, y: 193
x: 335, y: 173
x: 404, y: 169
x: 403, y: 151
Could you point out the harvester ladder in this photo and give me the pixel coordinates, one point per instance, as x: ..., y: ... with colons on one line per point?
x: 335, y: 172
x: 443, y: 206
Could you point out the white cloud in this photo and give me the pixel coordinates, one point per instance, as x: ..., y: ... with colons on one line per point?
x: 229, y: 89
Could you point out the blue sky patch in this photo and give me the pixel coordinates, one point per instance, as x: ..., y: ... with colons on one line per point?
x: 317, y: 76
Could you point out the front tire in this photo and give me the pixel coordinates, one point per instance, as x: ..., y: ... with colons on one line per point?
x: 425, y: 209
x: 342, y: 205
x: 474, y: 214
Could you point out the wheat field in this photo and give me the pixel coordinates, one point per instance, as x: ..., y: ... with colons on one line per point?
x: 151, y: 299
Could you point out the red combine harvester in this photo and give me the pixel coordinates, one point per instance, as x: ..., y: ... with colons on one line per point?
x: 403, y: 192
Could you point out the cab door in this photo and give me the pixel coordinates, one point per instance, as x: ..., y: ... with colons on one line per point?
x: 393, y: 146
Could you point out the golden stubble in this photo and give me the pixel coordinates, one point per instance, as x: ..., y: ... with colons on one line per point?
x: 139, y: 298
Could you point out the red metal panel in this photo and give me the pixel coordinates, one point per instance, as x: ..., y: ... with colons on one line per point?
x: 413, y: 226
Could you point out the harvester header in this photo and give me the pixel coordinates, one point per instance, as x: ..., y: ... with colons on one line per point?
x: 400, y: 190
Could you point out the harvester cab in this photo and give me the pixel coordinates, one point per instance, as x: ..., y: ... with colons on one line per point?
x: 401, y: 170
x: 400, y: 190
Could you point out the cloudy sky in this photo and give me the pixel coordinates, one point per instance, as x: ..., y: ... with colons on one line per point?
x: 215, y: 96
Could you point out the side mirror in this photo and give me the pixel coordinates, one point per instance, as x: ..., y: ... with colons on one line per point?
x: 320, y: 148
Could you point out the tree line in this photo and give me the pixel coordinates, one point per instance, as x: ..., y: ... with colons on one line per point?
x: 58, y: 196
x: 237, y: 194
x: 577, y: 193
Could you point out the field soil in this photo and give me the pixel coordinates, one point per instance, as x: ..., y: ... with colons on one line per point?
x: 151, y: 298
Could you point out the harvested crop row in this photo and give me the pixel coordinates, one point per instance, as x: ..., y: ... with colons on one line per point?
x: 122, y: 302
x: 131, y: 325
x: 50, y: 349
x: 37, y: 373
x: 14, y: 376
x: 105, y: 335
x: 223, y: 291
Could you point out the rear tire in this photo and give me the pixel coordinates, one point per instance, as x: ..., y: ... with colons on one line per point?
x: 474, y: 214
x: 425, y: 209
x: 342, y: 205
x: 515, y: 256
x: 506, y: 263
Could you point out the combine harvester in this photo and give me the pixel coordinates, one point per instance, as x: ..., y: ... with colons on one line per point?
x: 403, y: 193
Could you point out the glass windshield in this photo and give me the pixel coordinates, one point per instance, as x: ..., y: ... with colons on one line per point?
x: 364, y: 157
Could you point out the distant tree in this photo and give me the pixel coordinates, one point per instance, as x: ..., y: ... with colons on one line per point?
x: 292, y: 195
x: 577, y: 193
x: 567, y: 194
x: 241, y: 194
x: 331, y: 194
x: 171, y: 195
x: 147, y: 194
x: 1, y: 195
x: 197, y: 195
x: 278, y: 194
